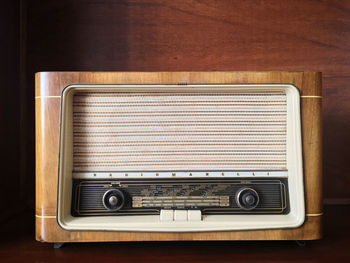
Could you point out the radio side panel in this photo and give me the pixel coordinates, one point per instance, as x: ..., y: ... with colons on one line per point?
x: 311, y: 114
x: 48, y: 90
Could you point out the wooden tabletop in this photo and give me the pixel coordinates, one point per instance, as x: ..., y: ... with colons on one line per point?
x: 18, y: 244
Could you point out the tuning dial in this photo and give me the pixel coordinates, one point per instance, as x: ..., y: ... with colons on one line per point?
x: 247, y: 198
x: 113, y: 199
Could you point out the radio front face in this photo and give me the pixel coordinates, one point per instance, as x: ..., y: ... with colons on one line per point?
x: 180, y: 158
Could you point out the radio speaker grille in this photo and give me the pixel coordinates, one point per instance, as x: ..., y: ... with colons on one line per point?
x: 179, y: 131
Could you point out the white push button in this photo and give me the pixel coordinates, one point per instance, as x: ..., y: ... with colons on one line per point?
x: 166, y: 215
x: 194, y: 215
x: 180, y: 215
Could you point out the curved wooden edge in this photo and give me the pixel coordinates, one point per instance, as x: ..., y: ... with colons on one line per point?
x: 312, y: 83
x: 311, y: 112
x: 52, y: 83
x: 47, y: 113
x: 47, y: 230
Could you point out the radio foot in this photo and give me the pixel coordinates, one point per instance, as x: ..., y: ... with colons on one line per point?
x: 58, y: 245
x: 301, y: 243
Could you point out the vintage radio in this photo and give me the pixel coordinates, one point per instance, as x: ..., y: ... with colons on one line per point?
x: 178, y: 156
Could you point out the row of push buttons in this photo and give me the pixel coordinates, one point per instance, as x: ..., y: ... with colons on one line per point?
x: 168, y: 215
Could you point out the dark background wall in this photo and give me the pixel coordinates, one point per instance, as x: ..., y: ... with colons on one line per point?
x: 9, y: 105
x: 101, y: 35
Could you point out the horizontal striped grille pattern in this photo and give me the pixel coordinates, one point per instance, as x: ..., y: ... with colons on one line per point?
x: 179, y: 131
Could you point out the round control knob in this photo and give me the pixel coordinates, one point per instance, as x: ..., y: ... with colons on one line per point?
x: 113, y: 199
x: 247, y: 198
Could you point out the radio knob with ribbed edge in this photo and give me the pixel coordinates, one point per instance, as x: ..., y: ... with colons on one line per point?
x: 247, y: 198
x: 113, y: 199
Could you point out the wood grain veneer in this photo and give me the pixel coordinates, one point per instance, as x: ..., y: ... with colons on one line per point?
x: 49, y: 86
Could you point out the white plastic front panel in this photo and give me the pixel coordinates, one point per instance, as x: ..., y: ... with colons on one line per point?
x: 245, y: 130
